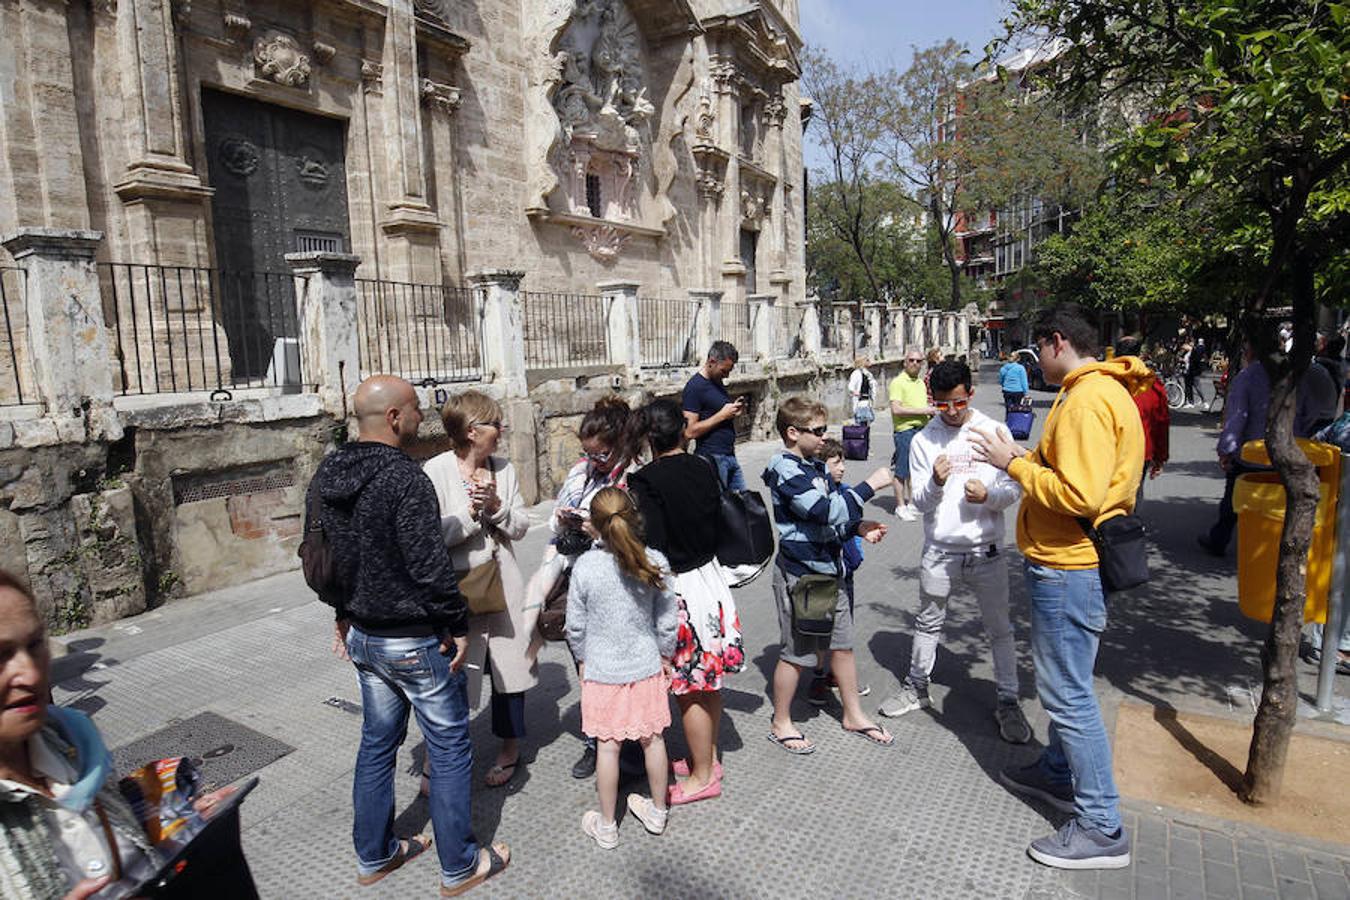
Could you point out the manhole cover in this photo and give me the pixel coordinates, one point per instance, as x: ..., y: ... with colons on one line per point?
x: 226, y: 749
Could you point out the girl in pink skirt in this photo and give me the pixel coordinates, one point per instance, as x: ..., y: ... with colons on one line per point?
x: 621, y: 626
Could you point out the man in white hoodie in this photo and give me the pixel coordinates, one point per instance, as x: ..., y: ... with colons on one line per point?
x: 962, y: 502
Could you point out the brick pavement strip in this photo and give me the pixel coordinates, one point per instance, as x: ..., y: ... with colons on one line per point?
x: 925, y: 818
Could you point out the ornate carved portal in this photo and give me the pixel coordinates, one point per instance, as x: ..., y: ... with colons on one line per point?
x: 601, y: 103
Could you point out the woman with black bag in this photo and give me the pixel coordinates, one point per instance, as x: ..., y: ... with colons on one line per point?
x: 482, y: 515
x: 679, y: 496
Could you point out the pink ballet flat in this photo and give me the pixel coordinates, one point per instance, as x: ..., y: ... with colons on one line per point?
x: 681, y: 768
x: 675, y: 795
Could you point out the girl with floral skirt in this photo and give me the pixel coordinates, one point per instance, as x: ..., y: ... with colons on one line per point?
x: 621, y: 625
x: 679, y: 496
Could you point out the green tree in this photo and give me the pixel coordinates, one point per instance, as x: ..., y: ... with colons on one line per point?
x: 1244, y: 103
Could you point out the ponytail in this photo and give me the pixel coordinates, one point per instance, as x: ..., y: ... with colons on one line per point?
x: 616, y: 519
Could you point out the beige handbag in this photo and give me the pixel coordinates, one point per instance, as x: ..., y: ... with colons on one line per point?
x: 481, y: 585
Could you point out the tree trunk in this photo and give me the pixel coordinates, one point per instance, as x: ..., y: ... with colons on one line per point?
x: 1278, y: 712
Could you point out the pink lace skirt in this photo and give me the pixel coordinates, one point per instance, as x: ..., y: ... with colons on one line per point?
x: 625, y: 712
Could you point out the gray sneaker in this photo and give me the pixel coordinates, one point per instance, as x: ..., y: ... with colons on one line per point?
x: 908, y: 699
x: 1076, y: 847
x: 1031, y: 781
x: 1012, y: 725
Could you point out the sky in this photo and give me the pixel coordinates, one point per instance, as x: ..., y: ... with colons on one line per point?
x: 880, y: 33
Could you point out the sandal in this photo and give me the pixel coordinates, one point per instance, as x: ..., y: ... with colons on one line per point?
x: 500, y: 776
x: 796, y: 751
x: 874, y: 733
x: 681, y: 768
x: 499, y: 857
x: 408, y: 850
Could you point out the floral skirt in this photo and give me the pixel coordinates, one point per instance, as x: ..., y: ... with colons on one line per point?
x: 708, y: 643
x: 625, y: 712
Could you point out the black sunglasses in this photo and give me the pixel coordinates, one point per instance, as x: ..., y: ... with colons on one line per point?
x: 818, y: 431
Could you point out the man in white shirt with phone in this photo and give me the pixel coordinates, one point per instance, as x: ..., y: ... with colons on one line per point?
x: 962, y: 502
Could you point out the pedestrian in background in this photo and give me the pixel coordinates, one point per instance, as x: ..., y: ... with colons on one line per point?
x: 910, y: 411
x: 679, y: 497
x: 482, y: 516
x: 621, y: 626
x: 1012, y: 378
x: 862, y: 388
x: 1154, y: 415
x: 1085, y: 469
x: 404, y: 625
x: 709, y: 414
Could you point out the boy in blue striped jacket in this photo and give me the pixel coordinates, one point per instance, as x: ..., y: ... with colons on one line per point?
x: 813, y: 523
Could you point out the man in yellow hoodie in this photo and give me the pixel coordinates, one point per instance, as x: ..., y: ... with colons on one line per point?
x: 1087, y: 466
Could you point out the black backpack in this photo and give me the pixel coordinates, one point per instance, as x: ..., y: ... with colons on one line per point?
x: 325, y: 572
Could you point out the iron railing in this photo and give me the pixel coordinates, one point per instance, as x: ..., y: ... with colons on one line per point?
x: 426, y: 333
x: 736, y: 326
x: 666, y: 331
x: 17, y: 384
x: 565, y: 330
x: 182, y: 329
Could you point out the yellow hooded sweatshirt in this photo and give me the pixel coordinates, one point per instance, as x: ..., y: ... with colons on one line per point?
x: 1088, y: 463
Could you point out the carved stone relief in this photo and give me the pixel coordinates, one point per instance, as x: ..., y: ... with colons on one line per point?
x: 706, y: 115
x: 323, y: 52
x: 372, y: 76
x: 602, y: 242
x: 277, y: 57
x: 441, y: 97
x: 754, y: 204
x: 239, y: 156
x: 237, y: 25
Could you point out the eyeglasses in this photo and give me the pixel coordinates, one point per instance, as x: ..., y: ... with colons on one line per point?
x: 600, y: 458
x: 949, y: 405
x: 497, y: 425
x: 818, y: 431
x: 916, y: 361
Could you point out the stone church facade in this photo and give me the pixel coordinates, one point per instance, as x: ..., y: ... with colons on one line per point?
x: 657, y: 141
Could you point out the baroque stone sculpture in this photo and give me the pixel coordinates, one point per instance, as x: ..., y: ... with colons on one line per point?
x: 277, y: 57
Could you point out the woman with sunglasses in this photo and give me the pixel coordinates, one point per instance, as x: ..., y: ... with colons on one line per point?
x: 482, y: 515
x: 606, y: 443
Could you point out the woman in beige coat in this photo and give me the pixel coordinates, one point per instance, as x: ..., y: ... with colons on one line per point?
x: 482, y: 510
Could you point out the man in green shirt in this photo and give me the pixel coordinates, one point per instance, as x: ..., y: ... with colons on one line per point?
x: 910, y: 411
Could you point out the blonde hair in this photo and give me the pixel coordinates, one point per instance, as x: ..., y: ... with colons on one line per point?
x: 934, y: 355
x: 862, y: 362
x: 797, y: 412
x: 616, y: 519
x: 463, y: 411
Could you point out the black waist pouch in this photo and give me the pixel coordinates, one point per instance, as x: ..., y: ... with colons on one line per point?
x: 1122, y: 551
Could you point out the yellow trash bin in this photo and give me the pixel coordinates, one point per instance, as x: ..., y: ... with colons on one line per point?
x: 1258, y: 500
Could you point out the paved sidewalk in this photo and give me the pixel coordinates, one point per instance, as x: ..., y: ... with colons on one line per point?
x: 924, y: 818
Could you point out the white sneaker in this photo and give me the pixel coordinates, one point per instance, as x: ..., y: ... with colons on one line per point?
x: 907, y: 513
x: 653, y: 819
x: 605, y: 835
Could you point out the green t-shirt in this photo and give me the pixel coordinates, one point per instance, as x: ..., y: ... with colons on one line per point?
x: 911, y: 393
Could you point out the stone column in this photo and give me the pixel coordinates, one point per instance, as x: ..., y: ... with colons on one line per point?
x: 897, y: 329
x: 709, y: 325
x: 497, y: 297
x: 875, y: 322
x: 67, y: 338
x: 763, y: 325
x: 621, y: 320
x: 811, y: 330
x: 325, y: 290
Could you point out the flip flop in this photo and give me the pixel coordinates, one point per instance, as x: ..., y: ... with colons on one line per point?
x: 873, y: 733
x: 408, y: 850
x: 496, y: 863
x: 796, y: 751
x: 494, y: 776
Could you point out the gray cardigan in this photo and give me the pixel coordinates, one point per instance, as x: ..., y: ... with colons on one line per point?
x: 618, y: 626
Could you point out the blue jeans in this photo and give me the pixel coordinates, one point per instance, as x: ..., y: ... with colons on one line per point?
x: 728, y: 470
x: 1068, y: 614
x: 398, y: 674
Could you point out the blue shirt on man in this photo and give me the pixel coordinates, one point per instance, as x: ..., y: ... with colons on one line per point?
x: 706, y: 398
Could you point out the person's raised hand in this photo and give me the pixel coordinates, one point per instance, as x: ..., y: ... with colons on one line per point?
x: 976, y: 492
x: 732, y: 409
x: 870, y: 531
x: 995, y: 449
x: 942, y: 467
x: 880, y: 478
